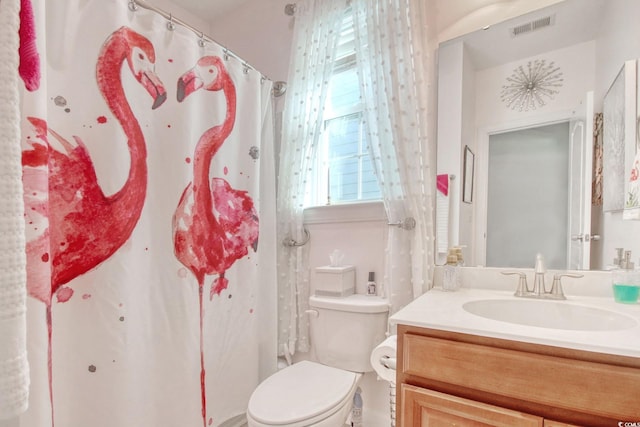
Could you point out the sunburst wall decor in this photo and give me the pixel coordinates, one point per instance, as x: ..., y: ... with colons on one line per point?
x: 528, y: 88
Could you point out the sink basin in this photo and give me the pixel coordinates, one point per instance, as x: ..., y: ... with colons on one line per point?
x: 550, y: 314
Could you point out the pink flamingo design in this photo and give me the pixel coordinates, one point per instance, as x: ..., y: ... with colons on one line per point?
x: 213, y: 224
x: 86, y: 226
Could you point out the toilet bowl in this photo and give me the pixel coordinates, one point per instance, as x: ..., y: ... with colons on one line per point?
x: 344, y: 331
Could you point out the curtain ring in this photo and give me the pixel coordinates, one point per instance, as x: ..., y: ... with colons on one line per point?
x: 133, y: 6
x: 226, y: 55
x: 292, y: 243
x: 279, y: 88
x: 201, y: 40
x: 245, y: 68
x: 170, y: 25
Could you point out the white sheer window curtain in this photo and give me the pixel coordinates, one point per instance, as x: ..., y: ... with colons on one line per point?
x: 391, y: 52
x: 316, y: 32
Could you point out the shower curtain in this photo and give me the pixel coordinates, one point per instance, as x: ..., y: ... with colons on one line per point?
x: 149, y: 198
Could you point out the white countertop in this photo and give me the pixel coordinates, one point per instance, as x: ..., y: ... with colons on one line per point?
x: 443, y: 310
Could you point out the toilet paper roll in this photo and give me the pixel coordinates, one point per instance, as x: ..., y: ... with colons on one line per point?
x: 383, y: 359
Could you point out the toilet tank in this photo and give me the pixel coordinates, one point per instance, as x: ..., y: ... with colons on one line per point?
x: 346, y: 329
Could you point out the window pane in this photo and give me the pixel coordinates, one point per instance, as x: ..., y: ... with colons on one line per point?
x: 343, y: 136
x: 370, y: 189
x: 344, y: 179
x: 351, y: 174
x: 344, y: 91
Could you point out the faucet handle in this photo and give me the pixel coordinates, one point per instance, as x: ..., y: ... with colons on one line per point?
x: 523, y: 288
x: 556, y: 288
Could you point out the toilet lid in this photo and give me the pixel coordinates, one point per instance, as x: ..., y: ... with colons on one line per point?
x: 299, y: 392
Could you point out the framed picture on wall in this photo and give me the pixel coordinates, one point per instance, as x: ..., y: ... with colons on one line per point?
x: 619, y: 121
x: 632, y: 160
x: 467, y: 183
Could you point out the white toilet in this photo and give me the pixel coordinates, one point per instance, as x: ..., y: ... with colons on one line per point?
x: 344, y: 331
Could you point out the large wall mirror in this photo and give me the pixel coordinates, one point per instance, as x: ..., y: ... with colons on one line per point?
x: 523, y: 95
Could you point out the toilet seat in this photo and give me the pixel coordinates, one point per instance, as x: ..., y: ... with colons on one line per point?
x: 301, y: 395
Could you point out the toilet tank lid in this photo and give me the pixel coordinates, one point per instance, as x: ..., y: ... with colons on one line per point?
x: 355, y: 303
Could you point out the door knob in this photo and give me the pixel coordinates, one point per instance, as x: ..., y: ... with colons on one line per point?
x: 585, y: 237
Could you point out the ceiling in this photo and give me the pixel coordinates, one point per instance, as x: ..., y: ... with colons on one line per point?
x: 447, y: 12
x: 574, y: 21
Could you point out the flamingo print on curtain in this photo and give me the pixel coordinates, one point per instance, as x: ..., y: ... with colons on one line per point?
x: 146, y: 178
x: 213, y: 224
x: 85, y: 227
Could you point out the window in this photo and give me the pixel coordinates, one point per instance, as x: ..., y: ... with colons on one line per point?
x: 343, y: 170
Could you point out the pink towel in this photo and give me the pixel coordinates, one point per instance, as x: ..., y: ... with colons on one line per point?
x: 442, y: 182
x: 29, y: 68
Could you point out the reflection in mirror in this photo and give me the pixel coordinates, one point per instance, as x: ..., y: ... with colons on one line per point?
x: 527, y: 209
x: 584, y: 43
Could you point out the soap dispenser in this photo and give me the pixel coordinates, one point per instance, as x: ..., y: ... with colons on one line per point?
x: 458, y: 251
x: 450, y: 279
x: 626, y: 283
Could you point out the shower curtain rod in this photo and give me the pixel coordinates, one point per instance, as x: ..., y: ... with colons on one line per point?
x: 133, y: 5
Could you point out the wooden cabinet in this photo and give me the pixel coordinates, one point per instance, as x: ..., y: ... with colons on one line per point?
x: 447, y: 379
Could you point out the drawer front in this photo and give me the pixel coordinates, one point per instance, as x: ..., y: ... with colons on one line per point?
x: 586, y: 387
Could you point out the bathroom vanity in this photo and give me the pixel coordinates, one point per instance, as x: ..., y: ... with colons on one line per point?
x: 459, y: 368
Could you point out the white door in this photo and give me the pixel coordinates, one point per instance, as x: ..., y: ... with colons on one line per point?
x: 580, y: 167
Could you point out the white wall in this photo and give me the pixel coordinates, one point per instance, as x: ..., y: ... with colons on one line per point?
x: 194, y: 20
x: 577, y: 64
x: 359, y: 231
x: 260, y: 33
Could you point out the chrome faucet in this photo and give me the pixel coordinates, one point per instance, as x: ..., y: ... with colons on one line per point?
x: 539, y: 288
x: 523, y: 288
x: 556, y: 291
x: 539, y: 291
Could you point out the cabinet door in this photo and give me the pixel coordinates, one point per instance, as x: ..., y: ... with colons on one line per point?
x: 427, y: 408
